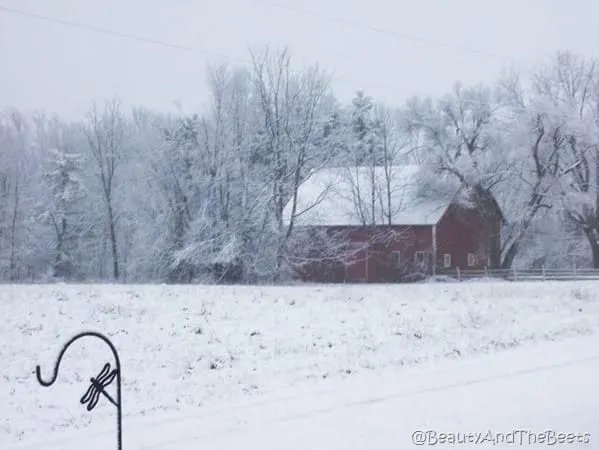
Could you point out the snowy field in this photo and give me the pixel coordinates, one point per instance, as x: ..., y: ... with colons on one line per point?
x: 223, y: 367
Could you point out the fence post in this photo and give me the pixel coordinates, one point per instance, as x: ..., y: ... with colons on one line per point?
x: 487, y: 271
x: 459, y: 274
x: 544, y: 274
x: 514, y: 273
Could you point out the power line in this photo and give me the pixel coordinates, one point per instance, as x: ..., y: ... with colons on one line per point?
x: 121, y: 35
x: 157, y: 42
x: 395, y: 34
x: 173, y: 46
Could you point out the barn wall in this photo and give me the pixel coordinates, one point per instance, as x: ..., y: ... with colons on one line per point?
x: 373, y: 265
x: 459, y: 233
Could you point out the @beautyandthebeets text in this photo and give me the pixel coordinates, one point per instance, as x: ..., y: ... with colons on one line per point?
x: 490, y: 437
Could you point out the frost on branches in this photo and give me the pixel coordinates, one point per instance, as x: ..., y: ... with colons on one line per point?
x: 147, y: 196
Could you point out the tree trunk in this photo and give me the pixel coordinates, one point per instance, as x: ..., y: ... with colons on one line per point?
x: 593, y: 238
x: 59, y: 263
x: 491, y: 217
x: 510, y: 256
x: 113, y: 242
x: 595, y: 249
x: 494, y: 243
x: 13, y: 234
x: 280, y: 260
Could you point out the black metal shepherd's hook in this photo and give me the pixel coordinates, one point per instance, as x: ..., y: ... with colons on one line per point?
x: 105, y: 378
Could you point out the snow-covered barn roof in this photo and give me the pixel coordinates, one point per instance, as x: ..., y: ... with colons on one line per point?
x: 343, y: 196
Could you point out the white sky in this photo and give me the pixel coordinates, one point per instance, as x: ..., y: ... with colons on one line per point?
x: 62, y: 69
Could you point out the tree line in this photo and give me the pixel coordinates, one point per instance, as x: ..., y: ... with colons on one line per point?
x: 145, y: 196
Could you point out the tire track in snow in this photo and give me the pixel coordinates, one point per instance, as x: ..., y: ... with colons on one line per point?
x: 382, y: 399
x: 188, y: 421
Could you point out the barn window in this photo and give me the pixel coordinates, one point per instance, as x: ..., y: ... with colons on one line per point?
x: 447, y: 260
x: 419, y: 257
x: 395, y: 259
x: 471, y: 259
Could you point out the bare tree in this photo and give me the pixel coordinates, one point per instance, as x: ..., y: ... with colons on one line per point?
x: 13, y: 179
x: 394, y: 145
x: 290, y: 108
x: 105, y: 131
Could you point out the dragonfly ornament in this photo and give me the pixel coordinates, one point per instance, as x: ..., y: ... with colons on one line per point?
x: 104, y: 379
x: 98, y: 384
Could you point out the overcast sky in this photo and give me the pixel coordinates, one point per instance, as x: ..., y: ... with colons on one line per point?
x: 61, y: 69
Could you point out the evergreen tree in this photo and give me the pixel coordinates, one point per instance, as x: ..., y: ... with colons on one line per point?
x: 367, y: 140
x: 66, y: 191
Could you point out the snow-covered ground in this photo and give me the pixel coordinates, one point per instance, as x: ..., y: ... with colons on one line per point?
x: 256, y: 367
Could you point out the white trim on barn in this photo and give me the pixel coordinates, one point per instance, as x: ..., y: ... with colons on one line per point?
x: 447, y: 260
x: 471, y: 260
x: 434, y: 264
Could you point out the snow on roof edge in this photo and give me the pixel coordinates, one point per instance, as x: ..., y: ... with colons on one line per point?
x: 344, y: 186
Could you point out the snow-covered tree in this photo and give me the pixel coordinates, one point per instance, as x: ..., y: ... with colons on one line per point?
x: 569, y: 89
x: 64, y: 209
x: 395, y: 147
x: 105, y: 131
x: 532, y: 142
x: 367, y: 148
x: 460, y: 148
x: 291, y: 107
x: 188, y: 197
x: 17, y: 170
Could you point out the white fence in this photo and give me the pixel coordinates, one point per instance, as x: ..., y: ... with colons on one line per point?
x: 523, y: 274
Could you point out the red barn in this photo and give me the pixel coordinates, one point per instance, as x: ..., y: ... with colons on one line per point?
x: 374, y: 224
